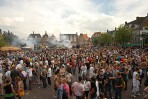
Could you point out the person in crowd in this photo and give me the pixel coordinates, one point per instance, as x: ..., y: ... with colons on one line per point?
x: 146, y: 91
x: 62, y: 71
x: 91, y: 71
x: 86, y: 86
x: 14, y: 73
x: 93, y: 89
x: 23, y: 76
x: 78, y: 88
x: 1, y: 83
x: 43, y: 76
x: 59, y: 91
x: 118, y: 86
x: 66, y: 87
x: 9, y: 90
x: 30, y: 75
x: 69, y: 78
x: 101, y: 80
x: 83, y: 70
x: 20, y: 87
x: 7, y: 73
x: 49, y: 75
x: 72, y: 63
x: 108, y: 82
x: 136, y: 83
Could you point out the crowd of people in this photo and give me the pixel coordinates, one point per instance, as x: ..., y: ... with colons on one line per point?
x: 84, y: 73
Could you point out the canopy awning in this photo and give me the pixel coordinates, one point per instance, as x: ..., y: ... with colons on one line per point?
x: 9, y: 48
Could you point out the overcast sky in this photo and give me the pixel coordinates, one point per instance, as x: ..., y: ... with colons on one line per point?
x: 22, y: 17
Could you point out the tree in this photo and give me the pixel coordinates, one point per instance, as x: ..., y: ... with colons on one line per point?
x: 10, y: 39
x: 96, y: 41
x: 123, y: 35
x: 105, y: 39
x: 3, y: 42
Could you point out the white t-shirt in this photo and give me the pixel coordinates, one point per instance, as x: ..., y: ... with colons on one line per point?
x: 30, y: 72
x: 84, y: 69
x: 8, y: 73
x: 21, y: 62
x: 97, y: 85
x: 86, y: 85
x: 78, y: 89
x: 140, y: 72
x: 49, y: 73
x: 24, y: 73
x: 91, y: 70
x: 18, y: 66
x: 135, y: 75
x: 46, y: 62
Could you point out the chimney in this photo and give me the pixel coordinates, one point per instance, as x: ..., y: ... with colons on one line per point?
x: 125, y: 22
x: 107, y: 31
x: 33, y: 32
x: 115, y: 28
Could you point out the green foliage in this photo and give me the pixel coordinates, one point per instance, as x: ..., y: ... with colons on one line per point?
x: 105, y: 39
x: 9, y: 38
x: 123, y: 34
x: 96, y: 41
x: 3, y: 42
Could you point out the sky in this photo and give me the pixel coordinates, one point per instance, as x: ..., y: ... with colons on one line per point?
x: 22, y: 17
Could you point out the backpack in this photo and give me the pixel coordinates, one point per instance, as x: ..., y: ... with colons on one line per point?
x: 65, y: 94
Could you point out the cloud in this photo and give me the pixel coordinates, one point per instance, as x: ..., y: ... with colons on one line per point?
x: 67, y: 16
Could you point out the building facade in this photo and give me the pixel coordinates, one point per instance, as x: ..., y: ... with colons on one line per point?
x: 138, y: 28
x: 73, y: 38
x: 83, y: 40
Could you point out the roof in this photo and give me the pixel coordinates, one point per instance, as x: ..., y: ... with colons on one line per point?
x: 141, y: 21
x: 52, y: 36
x: 84, y: 36
x: 35, y: 35
x: 111, y: 32
x: 96, y: 34
x: 68, y: 34
x: 145, y: 22
x: 138, y: 21
x: 45, y: 35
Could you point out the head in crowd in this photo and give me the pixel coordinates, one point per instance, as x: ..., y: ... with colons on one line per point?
x: 80, y: 78
x: 101, y: 72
